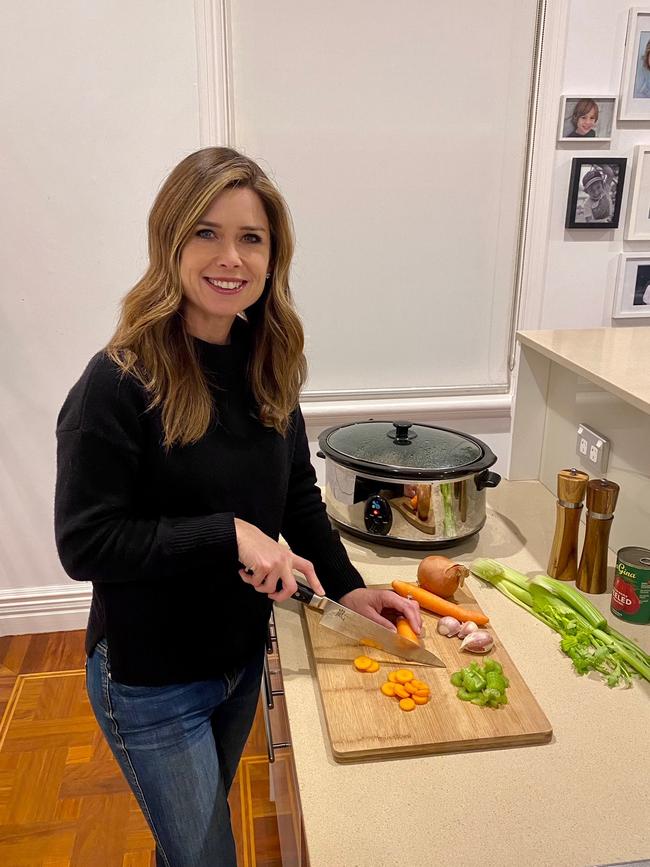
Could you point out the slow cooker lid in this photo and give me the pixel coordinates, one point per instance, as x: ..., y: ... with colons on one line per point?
x: 404, y: 447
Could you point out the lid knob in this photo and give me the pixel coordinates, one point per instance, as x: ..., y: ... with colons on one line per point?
x: 401, y: 435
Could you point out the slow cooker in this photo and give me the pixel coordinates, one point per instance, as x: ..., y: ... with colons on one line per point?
x: 404, y: 484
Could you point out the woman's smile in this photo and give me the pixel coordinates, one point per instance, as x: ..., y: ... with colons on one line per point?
x: 228, y: 287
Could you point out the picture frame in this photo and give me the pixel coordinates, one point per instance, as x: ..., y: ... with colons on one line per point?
x: 637, y: 223
x: 586, y: 118
x: 634, y: 103
x: 595, y: 192
x: 632, y: 293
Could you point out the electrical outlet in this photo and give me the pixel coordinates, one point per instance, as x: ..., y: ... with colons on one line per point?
x: 593, y: 449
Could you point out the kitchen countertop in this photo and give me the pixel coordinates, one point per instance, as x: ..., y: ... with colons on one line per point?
x: 579, y: 800
x: 617, y: 359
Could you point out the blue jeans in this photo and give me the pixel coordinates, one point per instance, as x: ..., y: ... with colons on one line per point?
x: 178, y: 747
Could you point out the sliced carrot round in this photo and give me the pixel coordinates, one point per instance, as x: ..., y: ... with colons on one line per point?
x: 404, y: 675
x: 373, y: 667
x: 388, y: 689
x: 422, y: 693
x: 400, y: 692
x: 418, y: 684
x: 392, y: 676
x: 409, y: 687
x: 407, y: 704
x: 362, y: 663
x: 420, y: 699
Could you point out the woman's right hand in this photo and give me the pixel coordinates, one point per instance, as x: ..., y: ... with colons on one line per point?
x: 266, y: 562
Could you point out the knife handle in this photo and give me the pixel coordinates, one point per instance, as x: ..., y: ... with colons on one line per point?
x: 303, y: 593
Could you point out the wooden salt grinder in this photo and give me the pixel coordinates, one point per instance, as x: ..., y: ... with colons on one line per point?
x: 601, y: 502
x: 563, y: 562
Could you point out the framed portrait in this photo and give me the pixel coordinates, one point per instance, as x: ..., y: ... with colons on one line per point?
x: 637, y: 223
x: 632, y: 295
x: 634, y: 103
x: 595, y: 192
x: 586, y: 118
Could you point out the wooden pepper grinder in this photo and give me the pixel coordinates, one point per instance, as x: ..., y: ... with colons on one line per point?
x: 571, y: 487
x: 601, y: 502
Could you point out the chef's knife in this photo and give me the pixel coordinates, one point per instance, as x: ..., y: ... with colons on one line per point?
x: 353, y: 625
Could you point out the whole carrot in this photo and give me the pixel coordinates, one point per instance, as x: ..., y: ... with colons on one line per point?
x: 437, y: 604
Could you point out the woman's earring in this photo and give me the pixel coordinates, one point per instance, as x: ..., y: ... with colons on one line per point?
x: 268, y: 275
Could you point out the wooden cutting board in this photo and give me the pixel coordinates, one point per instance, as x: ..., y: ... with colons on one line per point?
x: 363, y: 724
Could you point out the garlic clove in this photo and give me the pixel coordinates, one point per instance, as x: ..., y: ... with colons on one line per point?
x: 448, y: 626
x: 480, y: 641
x: 466, y: 628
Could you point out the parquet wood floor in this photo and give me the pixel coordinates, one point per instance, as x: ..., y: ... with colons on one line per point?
x: 63, y: 800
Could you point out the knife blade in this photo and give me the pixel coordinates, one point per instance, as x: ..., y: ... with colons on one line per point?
x: 333, y: 660
x: 346, y: 622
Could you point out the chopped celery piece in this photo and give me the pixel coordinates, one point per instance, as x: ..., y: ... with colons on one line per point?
x: 482, y: 685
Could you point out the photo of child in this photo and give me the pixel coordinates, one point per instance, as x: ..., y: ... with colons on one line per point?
x: 583, y: 119
x: 590, y: 118
x: 642, y: 77
x: 598, y: 198
x: 595, y: 192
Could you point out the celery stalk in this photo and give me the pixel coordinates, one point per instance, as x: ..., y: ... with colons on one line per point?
x: 574, y: 598
x: 587, y: 638
x: 488, y: 569
x: 637, y: 664
x: 631, y: 645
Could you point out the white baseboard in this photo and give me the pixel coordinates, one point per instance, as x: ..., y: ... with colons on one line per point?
x: 57, y: 608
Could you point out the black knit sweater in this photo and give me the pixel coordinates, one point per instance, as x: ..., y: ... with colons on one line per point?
x: 154, y: 529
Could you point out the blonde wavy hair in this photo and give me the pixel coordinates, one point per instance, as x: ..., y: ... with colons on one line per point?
x: 151, y: 342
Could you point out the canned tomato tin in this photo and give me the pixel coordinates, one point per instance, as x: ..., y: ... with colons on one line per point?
x: 631, y: 593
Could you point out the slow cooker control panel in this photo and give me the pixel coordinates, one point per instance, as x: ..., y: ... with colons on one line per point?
x: 378, y: 516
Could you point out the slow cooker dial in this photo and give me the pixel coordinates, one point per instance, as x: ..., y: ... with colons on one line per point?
x: 377, y: 515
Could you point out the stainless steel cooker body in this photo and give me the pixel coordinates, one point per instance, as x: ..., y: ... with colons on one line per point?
x: 395, y: 501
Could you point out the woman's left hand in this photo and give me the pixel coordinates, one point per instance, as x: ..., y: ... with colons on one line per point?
x: 371, y: 603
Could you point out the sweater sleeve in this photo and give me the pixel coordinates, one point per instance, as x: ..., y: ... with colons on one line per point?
x: 306, y: 526
x: 99, y: 534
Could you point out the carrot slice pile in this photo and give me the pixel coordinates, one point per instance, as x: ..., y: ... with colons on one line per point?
x: 406, y: 688
x: 400, y: 684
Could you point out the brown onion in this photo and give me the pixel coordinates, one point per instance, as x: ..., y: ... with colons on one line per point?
x: 440, y: 575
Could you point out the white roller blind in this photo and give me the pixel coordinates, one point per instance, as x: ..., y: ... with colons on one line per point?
x: 397, y: 133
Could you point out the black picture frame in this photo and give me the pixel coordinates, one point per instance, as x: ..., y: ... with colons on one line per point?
x: 585, y: 212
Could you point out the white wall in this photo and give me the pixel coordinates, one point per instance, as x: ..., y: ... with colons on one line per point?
x: 578, y: 288
x: 99, y: 103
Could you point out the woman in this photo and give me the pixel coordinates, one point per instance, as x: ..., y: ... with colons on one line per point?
x: 182, y: 456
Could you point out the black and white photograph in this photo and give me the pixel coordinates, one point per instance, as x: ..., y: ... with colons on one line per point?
x: 632, y: 295
x: 635, y: 80
x: 595, y: 192
x: 586, y: 118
